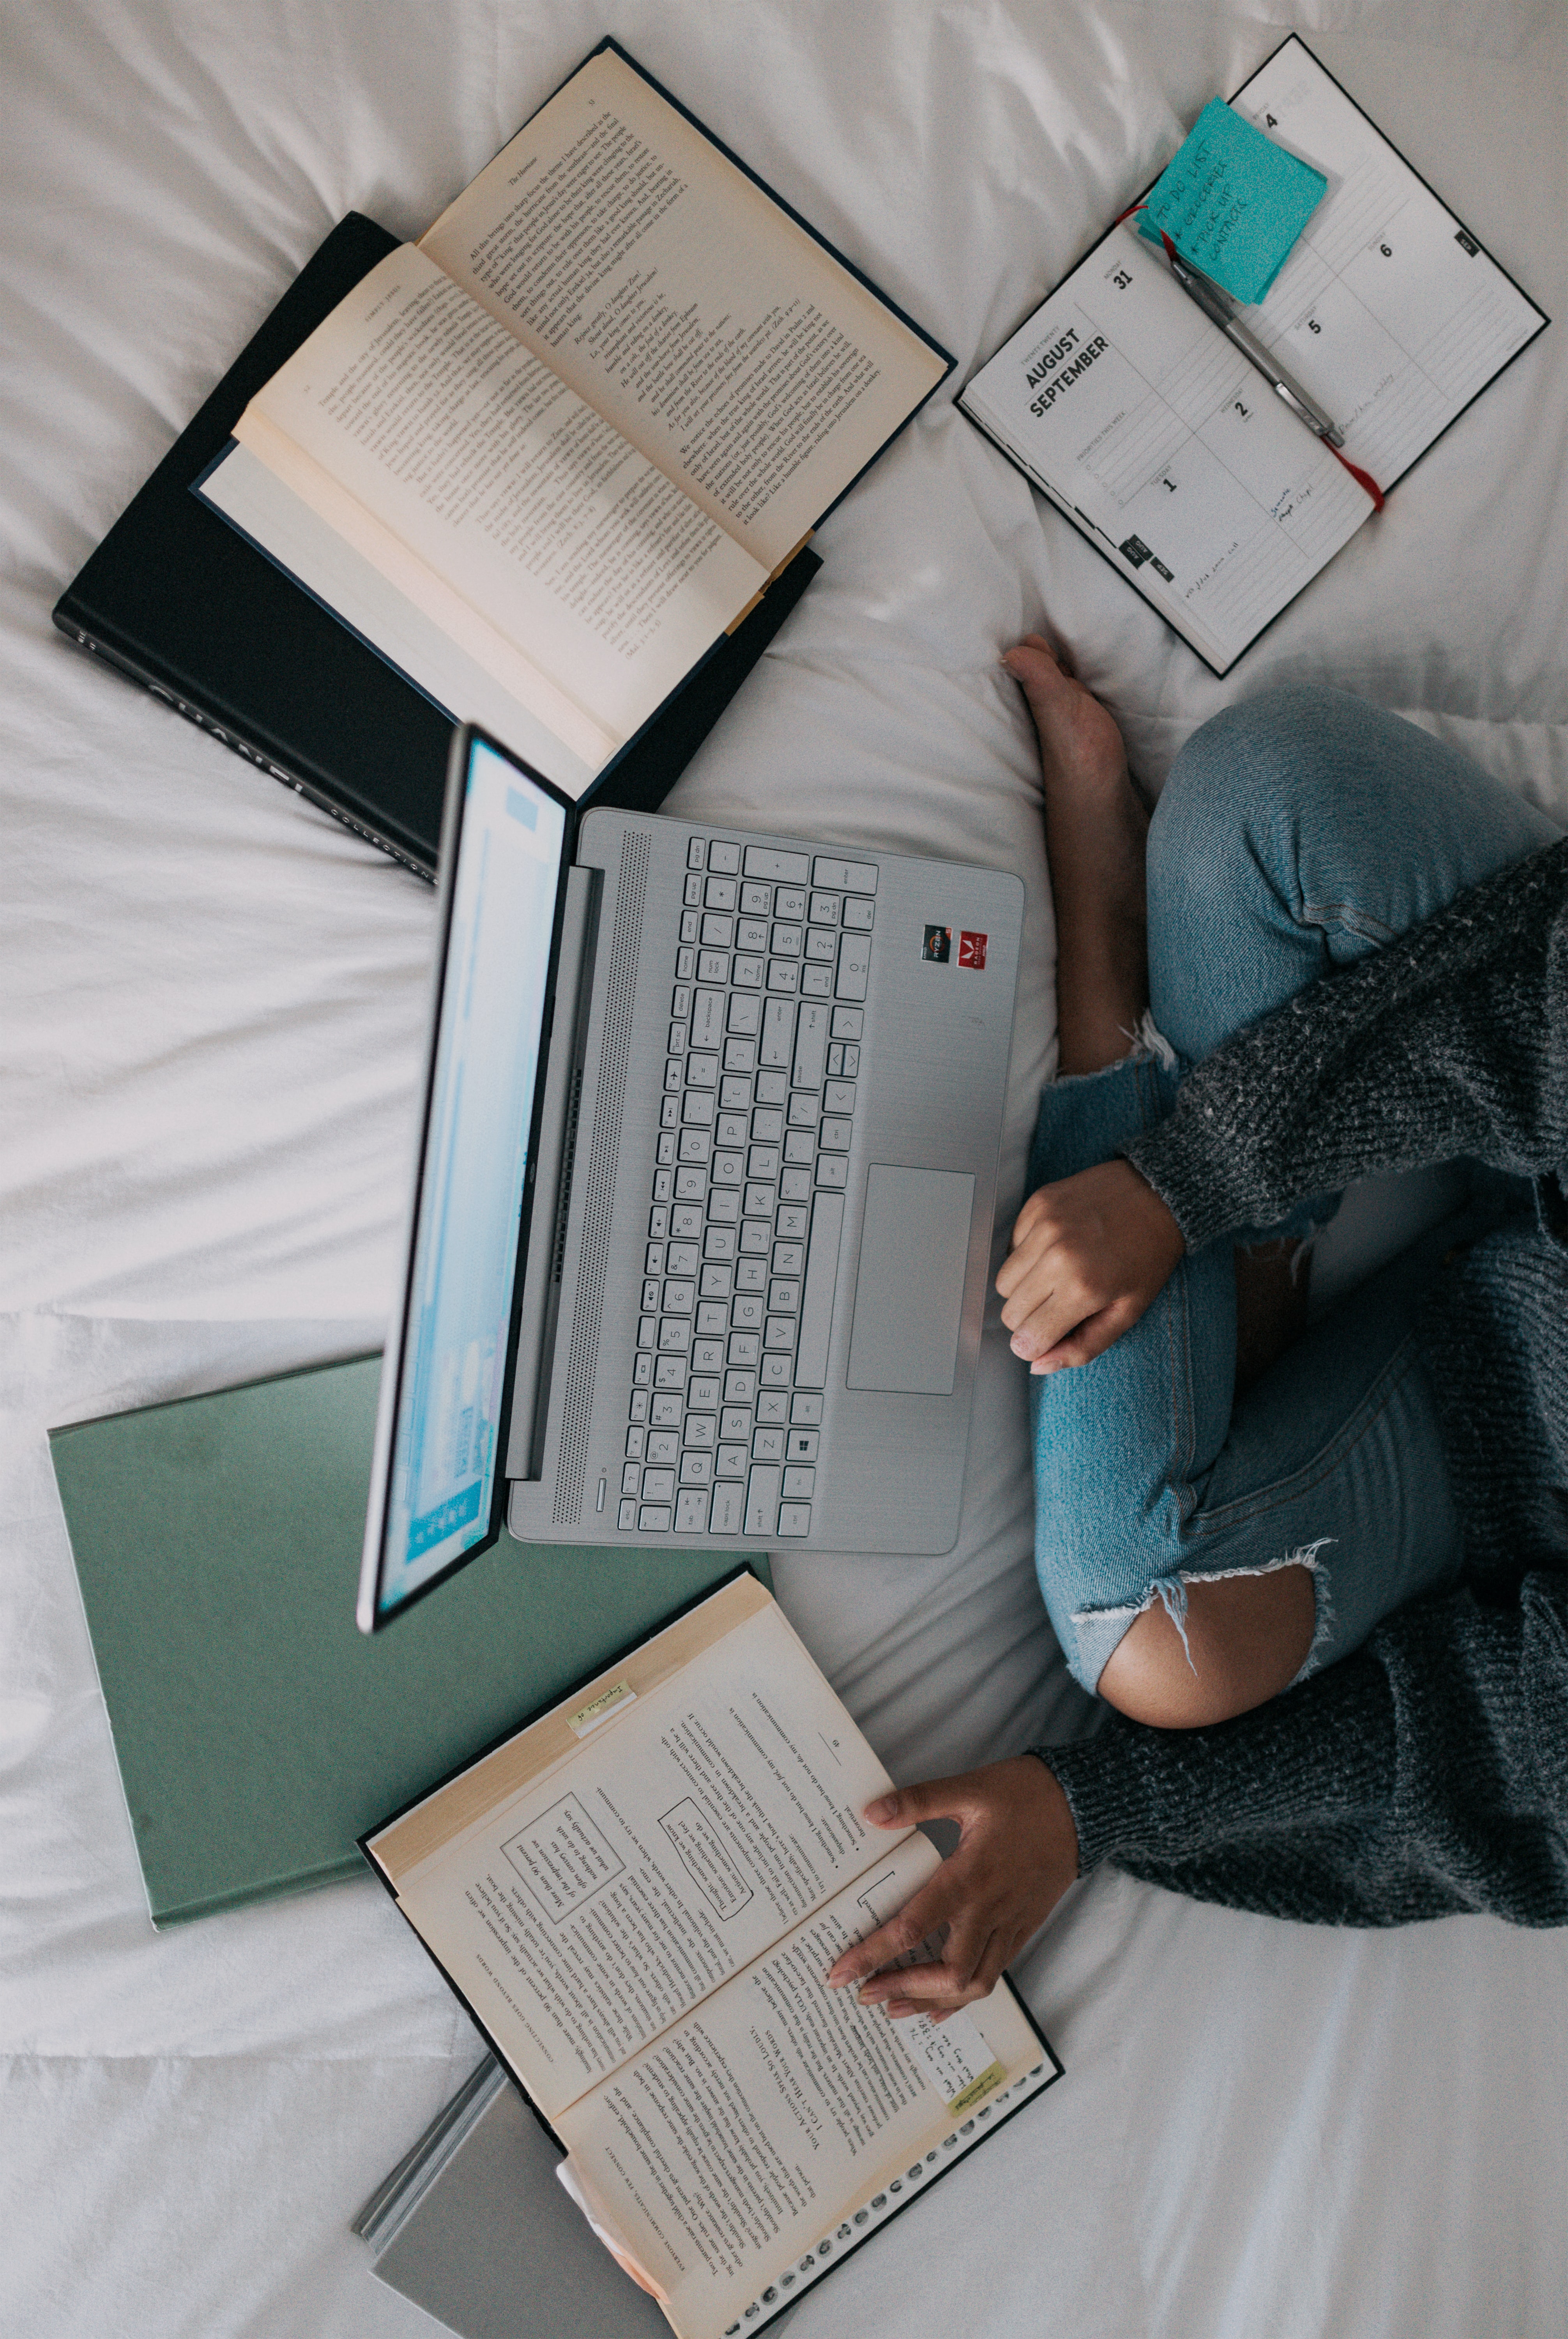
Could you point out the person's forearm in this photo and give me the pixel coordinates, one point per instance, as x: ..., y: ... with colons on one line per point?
x: 1452, y: 1041
x: 1425, y: 1774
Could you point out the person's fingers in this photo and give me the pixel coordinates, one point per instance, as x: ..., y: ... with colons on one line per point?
x: 930, y: 1907
x: 1088, y: 1339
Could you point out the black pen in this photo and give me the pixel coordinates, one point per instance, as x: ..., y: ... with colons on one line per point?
x: 1217, y: 308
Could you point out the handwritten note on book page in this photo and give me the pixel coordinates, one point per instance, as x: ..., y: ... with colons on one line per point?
x: 1232, y: 201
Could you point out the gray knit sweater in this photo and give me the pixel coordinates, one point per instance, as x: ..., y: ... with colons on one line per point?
x: 1427, y: 1773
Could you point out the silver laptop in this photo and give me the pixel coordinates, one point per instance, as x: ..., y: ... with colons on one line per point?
x: 704, y: 1190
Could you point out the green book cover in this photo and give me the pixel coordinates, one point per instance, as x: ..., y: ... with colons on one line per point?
x: 259, y: 1733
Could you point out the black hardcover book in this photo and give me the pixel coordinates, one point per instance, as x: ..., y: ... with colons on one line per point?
x: 179, y: 601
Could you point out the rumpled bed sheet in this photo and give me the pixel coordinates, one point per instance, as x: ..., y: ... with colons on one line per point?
x: 213, y: 1007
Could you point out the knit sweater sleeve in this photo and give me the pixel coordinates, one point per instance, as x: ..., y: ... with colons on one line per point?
x: 1451, y: 1041
x: 1423, y: 1776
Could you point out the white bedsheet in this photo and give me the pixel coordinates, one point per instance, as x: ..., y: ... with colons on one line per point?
x: 211, y: 1006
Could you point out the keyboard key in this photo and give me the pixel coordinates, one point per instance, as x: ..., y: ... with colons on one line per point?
x: 735, y: 1092
x: 707, y: 1018
x: 859, y: 877
x: 724, y: 1208
x: 789, y: 1258
x: 795, y: 1520
x: 718, y: 931
x: 777, y: 1372
x: 680, y: 1036
x: 746, y: 1314
x: 790, y: 904
x: 697, y: 1107
x: 741, y: 1055
x: 717, y: 1281
x: 744, y: 1348
x: 654, y: 1518
x: 799, y: 1485
x: 784, y: 975
x: 643, y: 1369
x: 786, y: 941
x: 819, y: 943
x: 631, y: 1477
x: 648, y: 1331
x: 781, y: 1333
x: 691, y: 1511
x: 832, y: 1169
x: 719, y: 894
x: 627, y: 1517
x: 778, y: 1034
x: 685, y: 1223
x: 672, y: 1071
x: 756, y: 901
x: 669, y: 1372
x: 800, y: 1145
x: 851, y: 1063
x: 838, y: 1096
x: 667, y: 1151
x: 688, y: 925
x: 859, y: 915
x: 795, y: 1185
x: 816, y: 982
x: 675, y: 1334
x: 685, y: 964
x: 782, y: 868
x: 681, y: 1259
x: 664, y: 1413
x: 702, y: 1430
x: 696, y: 852
x: 729, y: 1168
x: 733, y: 1128
x: 713, y: 966
x: 640, y: 1405
x: 810, y: 1044
x: 731, y: 1461
x: 663, y: 1446
x: 804, y: 1407
x: 756, y: 1235
x: 783, y: 1296
x: 763, y: 1161
x: 697, y: 1468
x: 725, y: 858
x: 847, y: 1023
x: 651, y: 1291
x: 802, y: 1445
x: 707, y: 1356
x: 853, y: 966
x: 748, y: 973
x: 658, y: 1486
x: 712, y: 1318
x: 761, y: 1499
x: 773, y: 1409
x: 771, y: 1088
x: 694, y: 890
x: 825, y: 909
x: 680, y: 1002
x: 696, y: 1145
x: 835, y: 1136
x: 726, y: 1517
x: 690, y: 1185
x: 767, y: 1124
x: 735, y: 1422
x: 751, y: 934
x: 719, y: 1243
x: 741, y: 1389
x: 768, y: 1444
x: 821, y: 1280
x: 829, y: 873
x: 793, y: 1219
x: 746, y: 1017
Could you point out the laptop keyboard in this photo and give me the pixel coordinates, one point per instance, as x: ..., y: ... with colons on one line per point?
x: 761, y: 1077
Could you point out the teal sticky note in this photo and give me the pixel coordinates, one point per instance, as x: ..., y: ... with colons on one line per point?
x: 1232, y: 202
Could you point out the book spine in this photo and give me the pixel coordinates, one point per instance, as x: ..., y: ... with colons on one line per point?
x: 291, y: 779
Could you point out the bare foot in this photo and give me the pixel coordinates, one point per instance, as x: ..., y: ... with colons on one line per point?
x: 1095, y: 829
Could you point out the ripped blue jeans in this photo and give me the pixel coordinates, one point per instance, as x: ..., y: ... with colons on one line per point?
x: 1297, y: 832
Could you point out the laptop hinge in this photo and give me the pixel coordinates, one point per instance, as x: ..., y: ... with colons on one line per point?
x: 546, y: 1252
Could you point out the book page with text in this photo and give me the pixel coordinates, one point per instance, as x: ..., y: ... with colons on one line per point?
x: 626, y: 251
x: 749, y: 2133
x: 515, y: 496
x: 582, y: 1913
x: 1388, y: 312
x: 1128, y: 407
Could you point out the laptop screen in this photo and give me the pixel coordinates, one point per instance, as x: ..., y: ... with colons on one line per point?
x: 434, y: 1498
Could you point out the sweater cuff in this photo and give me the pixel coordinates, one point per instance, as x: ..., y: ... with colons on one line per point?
x: 1189, y: 1176
x: 1109, y: 1794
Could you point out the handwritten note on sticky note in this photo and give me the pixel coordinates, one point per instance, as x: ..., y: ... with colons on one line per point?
x: 1232, y: 202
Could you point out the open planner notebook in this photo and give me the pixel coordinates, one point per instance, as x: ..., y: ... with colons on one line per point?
x: 1168, y: 448
x: 637, y: 1897
x: 545, y: 457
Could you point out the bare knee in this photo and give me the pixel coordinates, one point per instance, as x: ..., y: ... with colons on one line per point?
x: 1249, y: 1636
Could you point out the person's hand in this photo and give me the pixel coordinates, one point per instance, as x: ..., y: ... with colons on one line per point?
x: 1016, y: 1856
x: 1088, y: 1255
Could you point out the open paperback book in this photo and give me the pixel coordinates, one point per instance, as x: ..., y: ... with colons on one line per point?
x: 637, y: 1895
x: 545, y: 457
x: 1168, y: 448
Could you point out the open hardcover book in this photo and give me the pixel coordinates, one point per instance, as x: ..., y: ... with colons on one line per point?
x: 1169, y: 450
x: 545, y: 457
x: 637, y: 1897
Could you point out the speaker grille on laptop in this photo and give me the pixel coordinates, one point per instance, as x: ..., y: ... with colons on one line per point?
x: 604, y: 1154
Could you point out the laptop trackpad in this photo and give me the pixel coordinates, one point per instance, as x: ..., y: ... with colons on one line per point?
x: 909, y: 1295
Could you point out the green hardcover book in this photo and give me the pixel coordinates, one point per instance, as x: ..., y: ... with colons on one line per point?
x: 259, y: 1733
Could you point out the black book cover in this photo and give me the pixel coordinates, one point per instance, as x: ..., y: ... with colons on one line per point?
x: 176, y: 598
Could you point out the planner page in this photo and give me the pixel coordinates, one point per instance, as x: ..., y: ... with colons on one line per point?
x: 1144, y: 424
x: 1388, y: 311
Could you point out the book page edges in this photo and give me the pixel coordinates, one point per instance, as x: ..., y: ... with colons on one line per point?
x: 593, y: 742
x: 442, y: 1816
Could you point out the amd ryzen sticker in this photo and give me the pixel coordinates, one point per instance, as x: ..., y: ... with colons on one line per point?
x: 938, y: 946
x: 971, y: 950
